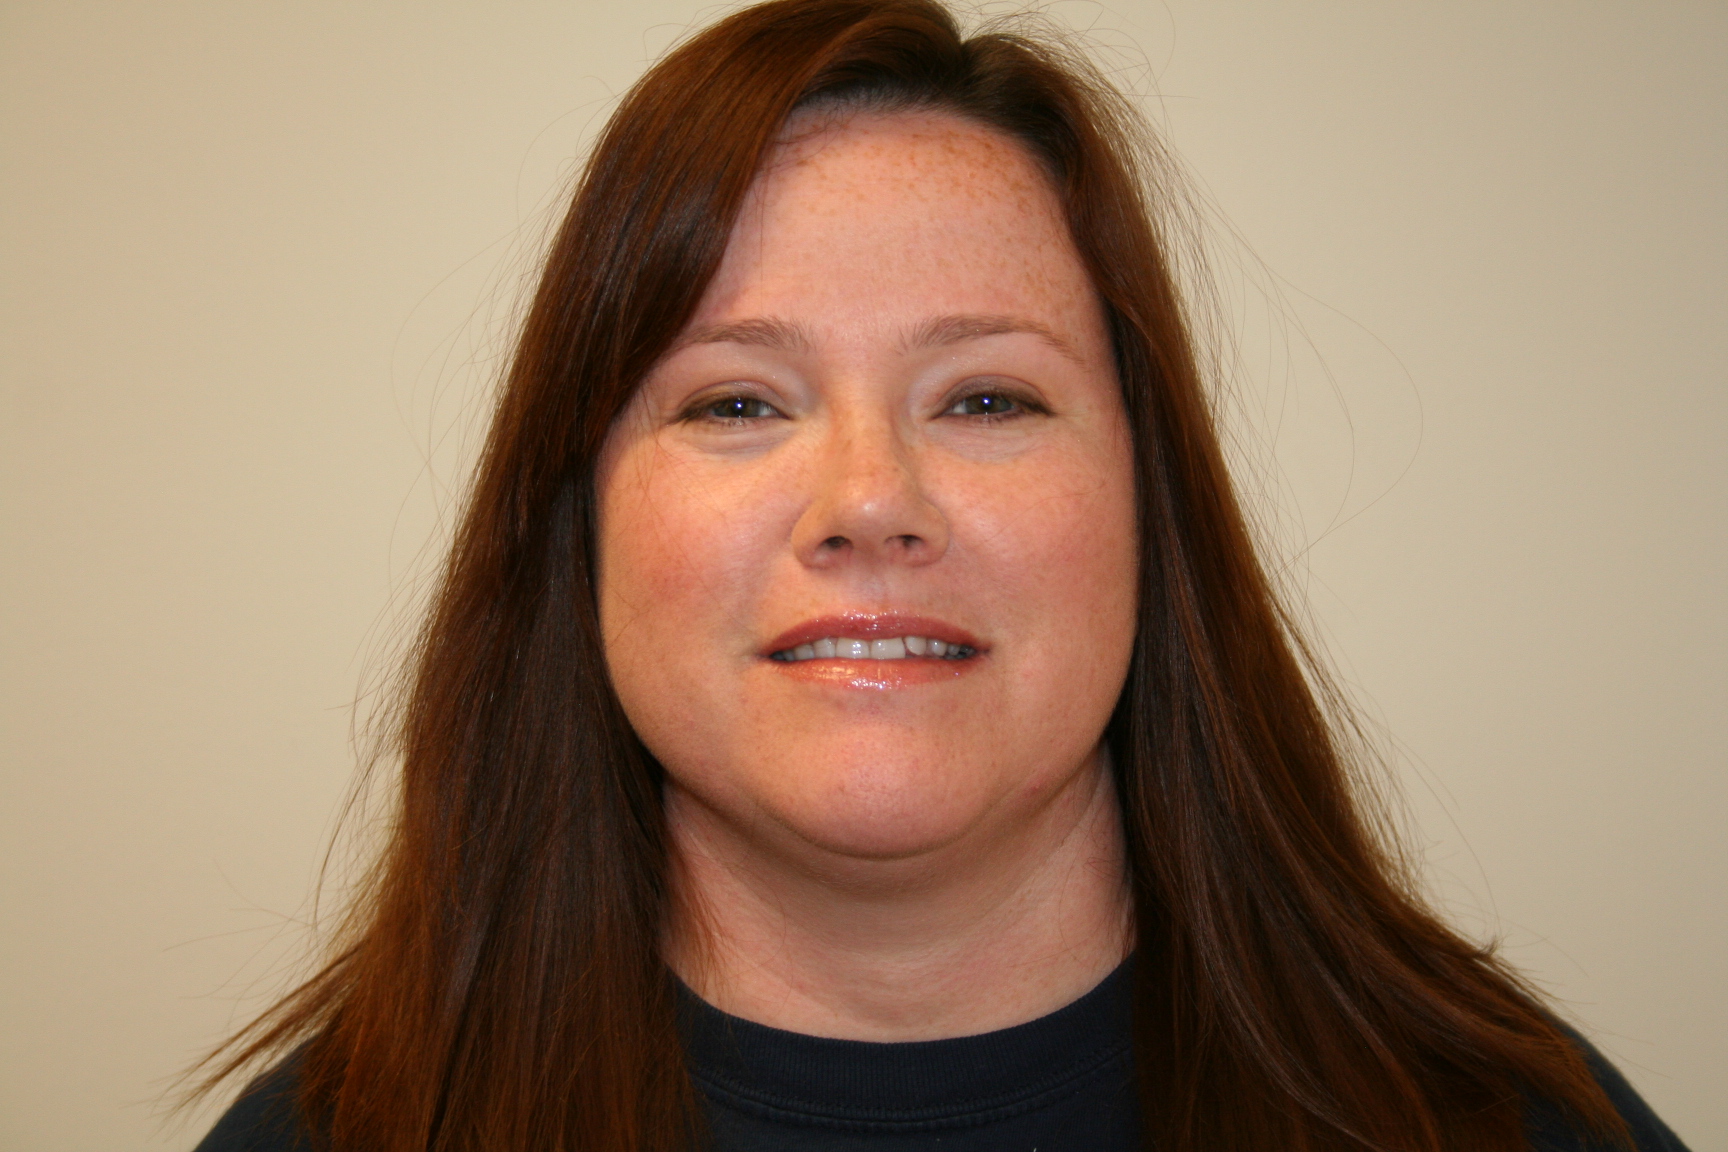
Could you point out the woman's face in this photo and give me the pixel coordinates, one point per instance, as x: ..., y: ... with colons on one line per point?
x: 893, y: 424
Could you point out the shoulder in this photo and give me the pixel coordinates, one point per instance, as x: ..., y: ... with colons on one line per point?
x: 266, y: 1117
x: 1550, y: 1130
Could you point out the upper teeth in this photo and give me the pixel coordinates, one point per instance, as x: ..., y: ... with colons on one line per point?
x: 893, y: 648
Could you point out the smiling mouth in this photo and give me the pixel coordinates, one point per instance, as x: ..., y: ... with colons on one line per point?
x: 875, y: 648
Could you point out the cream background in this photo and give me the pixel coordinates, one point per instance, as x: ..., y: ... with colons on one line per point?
x: 257, y: 257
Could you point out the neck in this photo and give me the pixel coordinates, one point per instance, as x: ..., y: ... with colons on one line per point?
x: 998, y: 927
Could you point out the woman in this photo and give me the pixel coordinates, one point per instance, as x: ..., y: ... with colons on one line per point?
x: 854, y: 716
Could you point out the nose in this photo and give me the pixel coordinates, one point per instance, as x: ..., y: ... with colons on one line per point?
x: 869, y: 505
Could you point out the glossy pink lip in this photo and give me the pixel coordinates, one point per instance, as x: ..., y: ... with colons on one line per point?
x: 871, y: 626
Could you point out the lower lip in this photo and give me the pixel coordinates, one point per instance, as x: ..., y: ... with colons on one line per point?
x: 904, y: 673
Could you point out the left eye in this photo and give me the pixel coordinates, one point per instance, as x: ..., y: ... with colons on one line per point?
x: 984, y: 404
x: 739, y: 408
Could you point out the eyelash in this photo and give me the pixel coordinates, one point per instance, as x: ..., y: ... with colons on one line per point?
x: 756, y: 408
x: 705, y: 410
x: 1019, y: 406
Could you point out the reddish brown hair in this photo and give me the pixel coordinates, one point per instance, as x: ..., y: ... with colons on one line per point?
x: 502, y: 989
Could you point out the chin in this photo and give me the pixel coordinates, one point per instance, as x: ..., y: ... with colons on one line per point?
x: 865, y: 792
x: 867, y: 833
x: 888, y: 807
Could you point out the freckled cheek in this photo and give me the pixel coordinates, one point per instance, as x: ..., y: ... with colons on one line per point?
x: 689, y: 546
x: 1066, y: 556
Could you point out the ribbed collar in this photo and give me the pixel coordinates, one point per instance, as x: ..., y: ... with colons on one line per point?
x: 856, y: 1082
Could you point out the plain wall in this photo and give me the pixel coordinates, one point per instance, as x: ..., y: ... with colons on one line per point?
x: 258, y: 262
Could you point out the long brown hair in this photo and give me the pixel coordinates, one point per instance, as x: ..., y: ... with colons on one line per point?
x: 501, y: 987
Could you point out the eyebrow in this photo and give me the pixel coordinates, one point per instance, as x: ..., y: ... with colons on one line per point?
x: 943, y: 330
x: 769, y: 332
x: 763, y: 332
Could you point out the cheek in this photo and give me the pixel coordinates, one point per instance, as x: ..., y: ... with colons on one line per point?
x: 660, y: 572
x: 1061, y: 573
x: 644, y: 545
x: 1060, y: 539
x: 687, y: 553
x: 656, y: 581
x: 677, y: 546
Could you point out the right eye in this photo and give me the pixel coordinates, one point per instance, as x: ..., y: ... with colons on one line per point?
x: 735, y: 409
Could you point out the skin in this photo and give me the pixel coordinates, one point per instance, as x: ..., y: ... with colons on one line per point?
x: 857, y: 855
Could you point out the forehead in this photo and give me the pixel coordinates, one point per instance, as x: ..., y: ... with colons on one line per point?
x: 900, y: 213
x: 925, y: 153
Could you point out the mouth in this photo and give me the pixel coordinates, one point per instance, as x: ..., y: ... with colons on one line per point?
x: 893, y: 648
x: 878, y: 638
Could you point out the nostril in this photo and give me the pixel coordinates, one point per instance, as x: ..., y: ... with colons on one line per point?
x: 835, y: 542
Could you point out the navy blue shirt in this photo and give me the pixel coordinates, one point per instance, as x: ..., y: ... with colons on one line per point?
x: 1061, y: 1083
